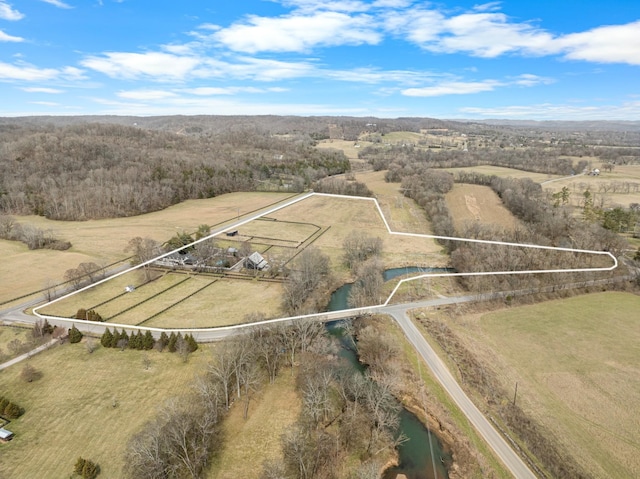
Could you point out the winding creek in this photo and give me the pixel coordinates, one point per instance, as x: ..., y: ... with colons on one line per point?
x: 415, y: 455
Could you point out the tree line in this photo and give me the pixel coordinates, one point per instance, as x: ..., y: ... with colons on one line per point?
x: 89, y: 171
x: 545, y: 220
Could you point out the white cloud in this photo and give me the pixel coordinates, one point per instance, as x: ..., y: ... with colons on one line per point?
x: 606, y: 44
x: 145, y: 95
x: 453, y: 88
x: 298, y: 33
x: 218, y: 106
x: 41, y: 90
x: 45, y: 103
x: 547, y: 111
x: 482, y: 34
x: 305, y: 6
x: 254, y: 68
x: 160, y: 66
x: 8, y: 13
x: 232, y: 90
x: 26, y: 72
x: 487, y: 7
x: 9, y: 38
x: 57, y: 3
x: 528, y: 79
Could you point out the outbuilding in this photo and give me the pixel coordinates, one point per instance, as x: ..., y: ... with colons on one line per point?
x: 5, y: 435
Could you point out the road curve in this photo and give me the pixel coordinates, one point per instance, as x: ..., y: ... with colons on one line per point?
x: 507, y: 455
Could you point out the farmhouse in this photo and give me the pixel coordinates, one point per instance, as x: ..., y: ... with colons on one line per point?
x: 256, y: 261
x: 5, y: 435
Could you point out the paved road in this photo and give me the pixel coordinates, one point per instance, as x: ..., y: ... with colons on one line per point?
x: 508, y: 456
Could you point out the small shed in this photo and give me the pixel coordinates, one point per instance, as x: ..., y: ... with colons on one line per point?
x: 256, y: 261
x: 232, y: 233
x: 5, y: 435
x: 129, y: 288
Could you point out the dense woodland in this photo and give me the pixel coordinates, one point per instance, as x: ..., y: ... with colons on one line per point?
x: 90, y: 171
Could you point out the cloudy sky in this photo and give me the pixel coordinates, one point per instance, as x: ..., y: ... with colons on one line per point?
x: 542, y: 59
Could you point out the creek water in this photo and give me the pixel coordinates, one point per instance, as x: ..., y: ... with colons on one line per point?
x: 422, y: 455
x: 340, y: 297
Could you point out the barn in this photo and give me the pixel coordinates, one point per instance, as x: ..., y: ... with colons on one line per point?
x: 256, y: 261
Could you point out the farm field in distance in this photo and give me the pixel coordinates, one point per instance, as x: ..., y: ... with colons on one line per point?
x: 576, y: 364
x: 503, y: 172
x: 478, y: 204
x: 105, y: 241
x: 608, y: 187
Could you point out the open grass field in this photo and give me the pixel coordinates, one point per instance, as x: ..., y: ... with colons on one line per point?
x: 602, y: 186
x: 576, y: 364
x: 104, y: 241
x: 346, y: 215
x: 350, y: 148
x: 504, y: 172
x: 70, y: 411
x: 249, y: 442
x: 402, y: 213
x: 476, y: 203
x: 212, y: 301
x: 8, y: 334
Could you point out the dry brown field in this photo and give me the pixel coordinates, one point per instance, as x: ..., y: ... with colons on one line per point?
x: 476, y: 203
x: 104, y: 241
x: 600, y: 186
x: 249, y: 442
x: 321, y: 221
x: 350, y: 148
x: 576, y: 364
x: 215, y: 301
x: 344, y: 215
x: 70, y: 411
x: 402, y: 213
x: 504, y: 172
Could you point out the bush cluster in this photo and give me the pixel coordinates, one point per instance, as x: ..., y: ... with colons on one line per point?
x: 89, y: 315
x: 86, y: 469
x: 9, y: 409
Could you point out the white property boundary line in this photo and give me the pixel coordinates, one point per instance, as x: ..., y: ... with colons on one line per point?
x: 343, y: 313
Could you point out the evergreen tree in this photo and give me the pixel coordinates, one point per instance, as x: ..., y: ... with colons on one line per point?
x: 163, y: 341
x: 125, y: 336
x: 75, y: 336
x: 148, y: 341
x: 47, y: 328
x: 106, y: 338
x: 191, y: 342
x: 135, y: 341
x: 115, y: 338
x: 171, y: 345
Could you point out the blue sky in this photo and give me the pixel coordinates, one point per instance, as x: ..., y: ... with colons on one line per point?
x: 564, y: 60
